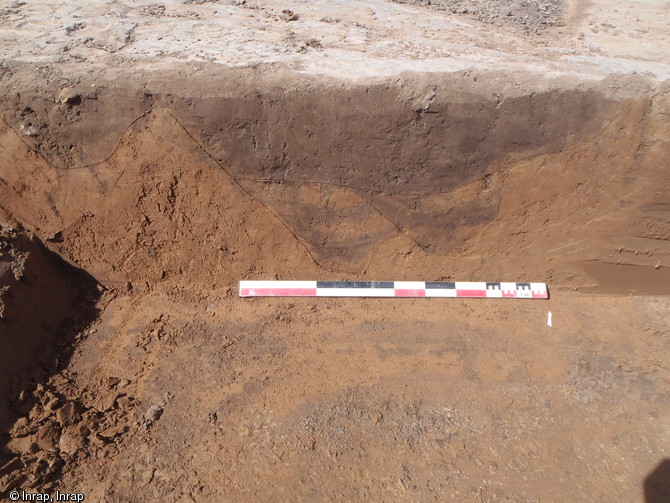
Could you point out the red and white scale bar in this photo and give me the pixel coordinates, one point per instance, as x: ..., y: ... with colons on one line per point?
x: 495, y: 290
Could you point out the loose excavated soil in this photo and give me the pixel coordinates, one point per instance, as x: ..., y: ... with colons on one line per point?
x: 134, y: 197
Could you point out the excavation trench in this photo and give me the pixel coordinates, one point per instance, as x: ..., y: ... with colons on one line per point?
x: 464, y: 176
x: 171, y: 192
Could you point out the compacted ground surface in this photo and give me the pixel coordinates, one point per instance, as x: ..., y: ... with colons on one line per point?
x: 152, y: 155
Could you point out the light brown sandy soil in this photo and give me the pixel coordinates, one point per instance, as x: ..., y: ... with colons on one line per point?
x: 170, y: 150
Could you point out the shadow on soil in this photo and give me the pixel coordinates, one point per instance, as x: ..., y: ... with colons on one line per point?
x: 50, y: 307
x: 657, y: 484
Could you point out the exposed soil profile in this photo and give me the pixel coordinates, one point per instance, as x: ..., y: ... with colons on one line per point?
x: 404, y: 176
x: 134, y: 197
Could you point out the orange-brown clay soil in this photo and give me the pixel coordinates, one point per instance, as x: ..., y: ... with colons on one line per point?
x: 133, y: 200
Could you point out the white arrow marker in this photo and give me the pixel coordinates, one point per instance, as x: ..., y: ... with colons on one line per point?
x: 549, y: 319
